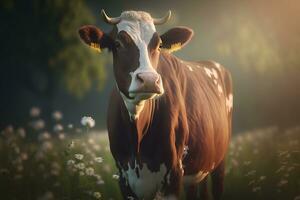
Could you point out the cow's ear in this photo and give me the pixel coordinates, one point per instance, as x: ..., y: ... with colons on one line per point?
x: 175, y: 38
x: 95, y: 38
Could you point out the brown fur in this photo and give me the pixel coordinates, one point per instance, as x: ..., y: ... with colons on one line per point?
x: 191, y: 112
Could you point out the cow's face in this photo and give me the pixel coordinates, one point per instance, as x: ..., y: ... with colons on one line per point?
x: 136, y: 52
x: 136, y: 47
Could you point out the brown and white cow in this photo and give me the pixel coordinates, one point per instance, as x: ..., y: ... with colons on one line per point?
x: 169, y: 120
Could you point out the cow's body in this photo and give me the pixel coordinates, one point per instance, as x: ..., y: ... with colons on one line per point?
x: 169, y: 121
x: 195, y: 111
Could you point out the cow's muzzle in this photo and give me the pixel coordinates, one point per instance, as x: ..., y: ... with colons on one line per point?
x: 146, y: 83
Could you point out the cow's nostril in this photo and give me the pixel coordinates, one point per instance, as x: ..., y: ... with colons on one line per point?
x: 139, y: 77
x: 157, y: 81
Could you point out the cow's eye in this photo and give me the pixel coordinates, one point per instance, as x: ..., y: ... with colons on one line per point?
x: 160, y: 46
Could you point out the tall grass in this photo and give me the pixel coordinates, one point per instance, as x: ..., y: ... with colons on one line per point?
x: 261, y: 164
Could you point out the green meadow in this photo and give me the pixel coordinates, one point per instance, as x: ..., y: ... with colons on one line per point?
x: 77, y: 164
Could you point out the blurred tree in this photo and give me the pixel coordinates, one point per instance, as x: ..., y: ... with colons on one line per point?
x: 252, y: 47
x: 40, y: 48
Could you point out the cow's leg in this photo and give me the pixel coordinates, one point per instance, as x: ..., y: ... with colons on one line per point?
x: 203, y: 189
x: 217, y: 177
x: 191, y: 191
x: 173, y: 186
x: 126, y: 191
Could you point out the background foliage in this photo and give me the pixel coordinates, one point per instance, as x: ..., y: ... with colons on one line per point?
x: 41, y: 51
x: 45, y: 66
x: 43, y: 62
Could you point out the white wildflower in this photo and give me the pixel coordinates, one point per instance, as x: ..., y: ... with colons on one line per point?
x: 57, y: 115
x: 100, y: 182
x: 80, y: 166
x: 20, y: 168
x: 70, y: 126
x: 61, y: 136
x: 70, y: 162
x: 35, y: 112
x: 91, y: 141
x: 96, y: 147
x: 47, y: 146
x: 256, y: 189
x: 38, y: 124
x: 81, y: 173
x: 21, y: 132
x: 78, y: 156
x: 97, y: 195
x: 24, y: 156
x: 261, y: 178
x: 251, y: 182
x: 251, y: 173
x: 282, y: 182
x: 88, y: 121
x: 71, y: 145
x: 247, y: 163
x: 58, y: 128
x: 115, y: 176
x: 89, y: 171
x: 44, y: 136
x: 99, y: 159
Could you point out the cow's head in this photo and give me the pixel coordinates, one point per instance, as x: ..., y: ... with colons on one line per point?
x: 136, y: 47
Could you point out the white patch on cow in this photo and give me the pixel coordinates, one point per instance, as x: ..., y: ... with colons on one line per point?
x: 215, y: 82
x: 189, y: 67
x: 229, y: 102
x: 220, y: 89
x: 139, y: 26
x: 185, y: 151
x: 215, y: 73
x: 218, y: 66
x: 208, y: 72
x: 148, y: 183
x: 134, y: 107
x: 198, y: 66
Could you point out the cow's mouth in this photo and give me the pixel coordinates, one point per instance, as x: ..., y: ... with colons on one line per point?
x: 138, y: 96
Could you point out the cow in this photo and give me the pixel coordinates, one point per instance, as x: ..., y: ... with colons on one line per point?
x: 169, y: 120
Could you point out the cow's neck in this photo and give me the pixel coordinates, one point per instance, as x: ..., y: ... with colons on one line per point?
x: 141, y: 123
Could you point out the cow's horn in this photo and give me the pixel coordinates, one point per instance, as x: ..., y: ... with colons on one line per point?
x: 163, y: 19
x: 110, y: 20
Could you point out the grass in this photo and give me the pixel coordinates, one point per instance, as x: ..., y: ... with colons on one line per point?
x: 261, y: 164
